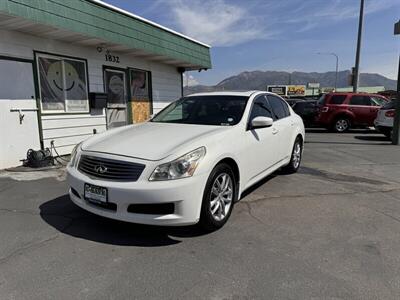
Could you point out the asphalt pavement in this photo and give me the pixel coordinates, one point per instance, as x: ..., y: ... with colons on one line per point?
x: 331, y: 231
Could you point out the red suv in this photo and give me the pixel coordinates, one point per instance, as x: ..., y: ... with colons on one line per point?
x: 340, y: 111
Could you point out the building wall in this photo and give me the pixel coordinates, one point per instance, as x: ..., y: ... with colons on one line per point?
x: 68, y: 129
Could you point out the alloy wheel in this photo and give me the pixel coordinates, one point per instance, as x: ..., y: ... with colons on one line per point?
x: 296, y: 155
x: 341, y: 125
x: 221, y: 196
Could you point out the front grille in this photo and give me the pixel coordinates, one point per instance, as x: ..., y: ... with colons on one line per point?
x: 110, y: 169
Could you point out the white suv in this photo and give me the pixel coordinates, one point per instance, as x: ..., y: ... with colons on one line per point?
x: 385, y: 117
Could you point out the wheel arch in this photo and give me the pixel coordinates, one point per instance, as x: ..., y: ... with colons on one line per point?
x: 233, y: 164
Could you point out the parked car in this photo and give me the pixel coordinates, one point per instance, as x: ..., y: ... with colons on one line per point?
x: 341, y: 111
x: 384, y: 120
x: 190, y: 163
x: 293, y: 101
x: 307, y: 110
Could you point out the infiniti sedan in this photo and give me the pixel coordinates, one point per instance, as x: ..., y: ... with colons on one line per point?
x: 190, y: 163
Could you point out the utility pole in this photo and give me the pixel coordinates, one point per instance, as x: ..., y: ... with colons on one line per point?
x: 396, y: 121
x: 356, y: 75
x: 337, y: 65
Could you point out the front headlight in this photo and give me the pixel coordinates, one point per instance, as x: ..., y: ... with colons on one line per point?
x: 74, y: 155
x: 182, y: 167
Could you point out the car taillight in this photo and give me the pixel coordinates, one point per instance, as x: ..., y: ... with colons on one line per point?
x: 390, y: 113
x: 324, y: 109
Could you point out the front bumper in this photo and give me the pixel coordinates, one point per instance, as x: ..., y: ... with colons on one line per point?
x: 186, y: 194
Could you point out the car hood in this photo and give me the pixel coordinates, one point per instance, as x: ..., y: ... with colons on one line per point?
x: 149, y: 140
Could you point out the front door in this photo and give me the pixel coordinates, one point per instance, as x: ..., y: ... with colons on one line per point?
x: 115, y: 88
x: 262, y: 141
x: 19, y: 130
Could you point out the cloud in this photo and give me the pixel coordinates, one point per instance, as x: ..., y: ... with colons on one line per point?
x: 217, y: 22
x: 189, y: 80
x: 335, y: 11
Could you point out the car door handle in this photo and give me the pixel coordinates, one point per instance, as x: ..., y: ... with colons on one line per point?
x: 275, y: 131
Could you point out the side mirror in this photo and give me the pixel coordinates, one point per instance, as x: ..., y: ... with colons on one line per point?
x: 261, y: 122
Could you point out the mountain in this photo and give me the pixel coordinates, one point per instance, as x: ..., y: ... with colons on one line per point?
x: 258, y: 80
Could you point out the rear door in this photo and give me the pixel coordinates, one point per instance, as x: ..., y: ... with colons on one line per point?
x: 19, y: 127
x: 283, y: 126
x: 364, y: 112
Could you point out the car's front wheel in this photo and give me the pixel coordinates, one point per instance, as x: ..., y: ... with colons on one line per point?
x: 219, y: 197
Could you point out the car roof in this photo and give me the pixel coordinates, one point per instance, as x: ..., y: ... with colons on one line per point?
x: 231, y: 93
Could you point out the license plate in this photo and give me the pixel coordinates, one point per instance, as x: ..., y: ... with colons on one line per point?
x: 95, y: 193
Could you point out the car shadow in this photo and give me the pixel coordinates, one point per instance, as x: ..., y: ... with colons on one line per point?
x: 62, y: 214
x: 372, y: 138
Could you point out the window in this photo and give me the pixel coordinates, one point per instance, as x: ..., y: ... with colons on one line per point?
x: 378, y: 101
x: 63, y: 84
x: 337, y: 99
x: 261, y: 108
x: 16, y: 80
x: 279, y: 107
x: 360, y: 100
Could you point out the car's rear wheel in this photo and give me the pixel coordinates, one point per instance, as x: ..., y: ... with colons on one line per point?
x: 295, y: 159
x: 219, y: 197
x: 341, y: 124
x: 388, y: 133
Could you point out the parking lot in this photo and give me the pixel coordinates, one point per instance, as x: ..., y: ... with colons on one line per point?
x: 331, y: 231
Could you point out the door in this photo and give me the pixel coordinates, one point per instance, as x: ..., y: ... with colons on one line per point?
x: 283, y: 125
x: 261, y: 142
x: 362, y: 108
x: 19, y: 129
x: 115, y: 88
x: 140, y: 92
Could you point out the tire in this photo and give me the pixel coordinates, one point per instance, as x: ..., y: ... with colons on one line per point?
x: 218, y: 200
x: 295, y: 158
x: 341, y: 124
x: 388, y: 133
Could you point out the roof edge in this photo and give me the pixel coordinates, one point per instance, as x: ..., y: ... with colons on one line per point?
x: 129, y: 14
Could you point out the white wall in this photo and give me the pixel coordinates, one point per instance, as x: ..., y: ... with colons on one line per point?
x: 67, y: 130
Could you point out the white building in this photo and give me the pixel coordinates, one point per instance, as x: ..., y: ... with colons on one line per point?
x: 69, y: 69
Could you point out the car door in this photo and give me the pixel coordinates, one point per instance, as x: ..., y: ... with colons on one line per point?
x: 261, y: 142
x: 360, y: 106
x: 283, y: 125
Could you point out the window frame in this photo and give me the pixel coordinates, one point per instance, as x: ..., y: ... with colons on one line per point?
x: 37, y: 55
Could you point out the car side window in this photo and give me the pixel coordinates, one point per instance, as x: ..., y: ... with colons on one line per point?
x: 261, y: 108
x: 360, y: 100
x: 279, y: 107
x: 337, y: 99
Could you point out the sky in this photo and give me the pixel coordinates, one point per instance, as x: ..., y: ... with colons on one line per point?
x: 280, y: 35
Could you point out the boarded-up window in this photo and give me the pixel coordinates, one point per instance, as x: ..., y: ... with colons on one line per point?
x: 141, y: 95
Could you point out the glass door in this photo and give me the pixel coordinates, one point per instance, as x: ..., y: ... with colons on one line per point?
x: 115, y: 88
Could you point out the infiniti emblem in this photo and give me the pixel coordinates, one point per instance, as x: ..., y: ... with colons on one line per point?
x: 100, y: 169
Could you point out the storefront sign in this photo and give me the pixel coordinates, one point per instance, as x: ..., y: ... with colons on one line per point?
x: 277, y: 89
x: 296, y: 90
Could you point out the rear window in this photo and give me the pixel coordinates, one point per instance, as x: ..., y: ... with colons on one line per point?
x: 390, y: 105
x: 321, y: 100
x: 337, y: 99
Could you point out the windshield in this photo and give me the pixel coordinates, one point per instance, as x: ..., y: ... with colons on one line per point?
x: 321, y: 100
x: 204, y: 110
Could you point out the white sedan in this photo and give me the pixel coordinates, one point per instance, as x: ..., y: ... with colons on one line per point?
x: 190, y: 163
